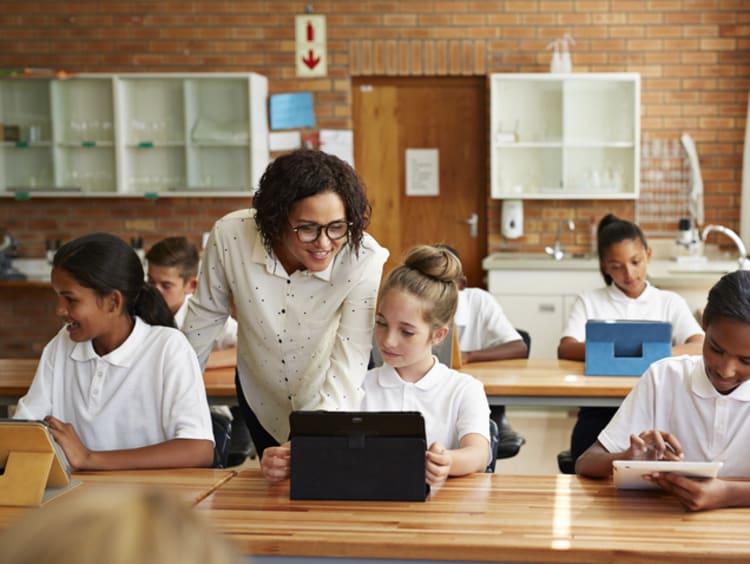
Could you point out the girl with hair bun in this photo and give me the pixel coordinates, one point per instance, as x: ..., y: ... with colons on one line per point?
x: 119, y: 386
x: 415, y: 308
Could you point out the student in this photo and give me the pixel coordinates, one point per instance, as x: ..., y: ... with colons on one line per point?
x: 415, y: 307
x: 623, y: 260
x: 119, y: 385
x: 304, y: 277
x: 173, y: 270
x: 486, y: 334
x: 695, y: 408
x: 118, y: 526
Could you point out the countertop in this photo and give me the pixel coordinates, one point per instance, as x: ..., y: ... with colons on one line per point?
x: 661, y: 272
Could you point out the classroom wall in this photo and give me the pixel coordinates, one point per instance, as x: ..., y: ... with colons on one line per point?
x: 693, y: 56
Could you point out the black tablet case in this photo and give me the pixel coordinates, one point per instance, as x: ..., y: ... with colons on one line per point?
x: 364, y: 456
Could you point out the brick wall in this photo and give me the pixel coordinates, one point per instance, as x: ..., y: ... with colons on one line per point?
x: 693, y: 56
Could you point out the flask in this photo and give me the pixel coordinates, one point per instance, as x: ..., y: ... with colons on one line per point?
x: 555, y: 64
x: 566, y: 65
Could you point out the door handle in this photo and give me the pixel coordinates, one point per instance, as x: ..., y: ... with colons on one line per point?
x: 473, y: 223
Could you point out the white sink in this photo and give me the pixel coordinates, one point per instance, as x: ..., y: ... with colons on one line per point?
x: 704, y: 267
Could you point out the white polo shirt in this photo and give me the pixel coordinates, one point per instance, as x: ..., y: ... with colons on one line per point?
x: 675, y: 395
x: 146, y: 391
x: 652, y: 305
x: 480, y: 321
x: 304, y: 340
x: 452, y: 403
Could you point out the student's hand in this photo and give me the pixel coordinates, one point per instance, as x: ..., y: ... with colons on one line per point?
x: 276, y: 462
x: 65, y: 435
x: 654, y: 445
x: 695, y: 494
x: 438, y: 464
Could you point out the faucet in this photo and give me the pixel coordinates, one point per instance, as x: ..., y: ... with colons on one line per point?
x: 742, y: 261
x: 556, y: 251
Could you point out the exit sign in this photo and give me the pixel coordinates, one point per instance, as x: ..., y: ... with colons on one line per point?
x: 310, y: 34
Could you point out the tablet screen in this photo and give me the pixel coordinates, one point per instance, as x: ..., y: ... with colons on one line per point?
x: 627, y: 474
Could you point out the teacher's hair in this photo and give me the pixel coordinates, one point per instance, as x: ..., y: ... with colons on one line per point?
x: 299, y: 175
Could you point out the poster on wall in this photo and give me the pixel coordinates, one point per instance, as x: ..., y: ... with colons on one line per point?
x: 422, y: 172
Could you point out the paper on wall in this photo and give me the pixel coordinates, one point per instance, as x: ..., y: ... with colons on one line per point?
x: 284, y: 140
x: 338, y: 142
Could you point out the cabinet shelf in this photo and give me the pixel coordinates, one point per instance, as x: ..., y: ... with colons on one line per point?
x: 135, y: 134
x: 573, y: 136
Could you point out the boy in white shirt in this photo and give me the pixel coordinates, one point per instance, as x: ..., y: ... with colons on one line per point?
x: 173, y: 270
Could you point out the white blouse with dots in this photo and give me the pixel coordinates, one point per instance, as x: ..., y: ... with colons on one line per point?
x: 303, y: 340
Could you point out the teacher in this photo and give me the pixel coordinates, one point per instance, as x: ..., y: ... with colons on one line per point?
x: 302, y: 277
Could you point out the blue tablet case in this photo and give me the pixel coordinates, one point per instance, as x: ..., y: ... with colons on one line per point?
x: 366, y: 456
x: 625, y: 348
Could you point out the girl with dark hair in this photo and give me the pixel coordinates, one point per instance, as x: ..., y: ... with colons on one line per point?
x: 119, y: 386
x: 623, y: 261
x: 303, y: 277
x: 694, y: 408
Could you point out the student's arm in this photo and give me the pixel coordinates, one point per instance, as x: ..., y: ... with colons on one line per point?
x: 693, y: 346
x: 470, y: 457
x: 571, y: 349
x: 573, y: 341
x: 513, y: 349
x: 175, y: 453
x: 596, y: 461
x: 697, y: 494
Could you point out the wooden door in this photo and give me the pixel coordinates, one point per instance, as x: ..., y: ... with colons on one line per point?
x: 392, y: 114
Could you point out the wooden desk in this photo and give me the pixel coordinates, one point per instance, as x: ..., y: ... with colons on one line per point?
x: 548, y: 382
x: 483, y: 517
x: 192, y: 484
x: 507, y: 382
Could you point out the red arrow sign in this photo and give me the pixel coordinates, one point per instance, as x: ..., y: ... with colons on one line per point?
x: 311, y: 61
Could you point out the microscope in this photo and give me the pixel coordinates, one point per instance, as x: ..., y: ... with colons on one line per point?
x: 8, y: 250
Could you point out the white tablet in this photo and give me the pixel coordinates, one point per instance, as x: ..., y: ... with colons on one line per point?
x: 627, y: 473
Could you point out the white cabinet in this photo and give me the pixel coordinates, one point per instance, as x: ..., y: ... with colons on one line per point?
x: 135, y: 134
x: 565, y: 136
x: 539, y: 301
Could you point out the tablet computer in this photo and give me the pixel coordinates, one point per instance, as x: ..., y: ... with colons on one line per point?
x: 627, y: 474
x: 357, y: 455
x: 33, y: 436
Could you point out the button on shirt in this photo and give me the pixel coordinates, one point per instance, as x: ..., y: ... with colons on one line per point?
x: 452, y: 403
x: 146, y: 391
x: 304, y: 339
x: 652, y: 305
x: 675, y: 395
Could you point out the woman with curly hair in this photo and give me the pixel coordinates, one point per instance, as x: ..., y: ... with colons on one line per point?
x: 303, y: 276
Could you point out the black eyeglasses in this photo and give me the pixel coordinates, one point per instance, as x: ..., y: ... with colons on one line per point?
x: 309, y: 232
